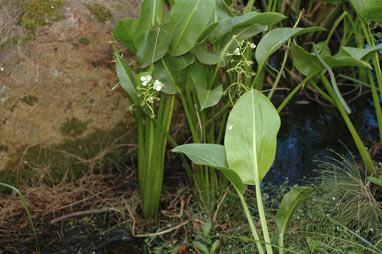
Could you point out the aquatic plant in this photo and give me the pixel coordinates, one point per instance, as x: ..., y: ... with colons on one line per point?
x: 187, y: 53
x: 248, y: 152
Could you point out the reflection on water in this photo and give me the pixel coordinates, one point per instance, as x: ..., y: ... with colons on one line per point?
x: 309, y: 130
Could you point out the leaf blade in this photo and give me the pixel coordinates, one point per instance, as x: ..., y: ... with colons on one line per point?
x: 211, y: 155
x: 193, y: 16
x: 250, y: 138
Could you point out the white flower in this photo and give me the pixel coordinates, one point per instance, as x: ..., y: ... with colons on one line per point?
x: 158, y: 85
x: 145, y: 79
x: 237, y: 52
x: 150, y: 99
x: 252, y: 45
x: 2, y: 68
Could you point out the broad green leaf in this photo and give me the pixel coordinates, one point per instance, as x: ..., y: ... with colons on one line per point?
x: 368, y: 9
x: 171, y: 2
x: 215, y: 246
x: 156, y: 44
x: 152, y: 12
x: 163, y: 74
x: 339, y: 60
x: 207, y: 228
x: 124, y: 31
x: 323, y: 48
x: 204, y: 57
x: 289, y: 203
x: 221, y: 11
x: 182, y: 62
x: 306, y: 62
x: 204, y: 154
x: 229, y: 24
x: 207, y: 98
x: 206, y: 32
x: 359, y: 53
x: 126, y: 78
x: 201, y: 247
x: 197, y: 75
x: 211, y: 155
x: 274, y: 39
x: 178, y: 68
x: 250, y: 138
x: 193, y: 16
x: 377, y: 181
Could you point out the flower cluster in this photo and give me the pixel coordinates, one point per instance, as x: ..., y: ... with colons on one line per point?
x: 241, y: 66
x: 148, y: 90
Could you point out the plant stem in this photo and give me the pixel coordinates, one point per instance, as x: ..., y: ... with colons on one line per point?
x: 377, y: 105
x: 27, y: 211
x: 360, y: 146
x: 250, y: 221
x: 377, y: 69
x: 249, y: 6
x: 184, y: 103
x: 263, y: 219
x: 281, y: 243
x: 334, y: 27
x: 294, y: 91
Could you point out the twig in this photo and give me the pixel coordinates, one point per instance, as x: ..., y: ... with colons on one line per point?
x: 80, y: 213
x: 162, y: 232
x: 219, y: 204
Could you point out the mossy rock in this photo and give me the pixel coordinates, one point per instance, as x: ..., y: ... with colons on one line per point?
x: 38, y: 13
x: 29, y: 100
x: 73, y: 127
x: 101, y: 13
x: 101, y: 151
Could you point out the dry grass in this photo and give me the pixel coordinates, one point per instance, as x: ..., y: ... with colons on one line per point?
x: 11, y: 30
x: 90, y: 194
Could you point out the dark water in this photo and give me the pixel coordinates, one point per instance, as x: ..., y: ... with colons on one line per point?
x: 309, y: 130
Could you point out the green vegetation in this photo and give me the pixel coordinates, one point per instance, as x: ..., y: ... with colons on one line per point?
x: 29, y: 100
x: 38, y: 13
x: 101, y: 13
x: 73, y: 127
x: 84, y: 41
x: 3, y: 148
x: 100, y: 151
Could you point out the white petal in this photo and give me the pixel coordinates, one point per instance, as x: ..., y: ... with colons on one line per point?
x: 158, y: 87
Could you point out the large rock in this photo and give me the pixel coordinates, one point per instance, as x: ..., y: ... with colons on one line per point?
x: 66, y: 72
